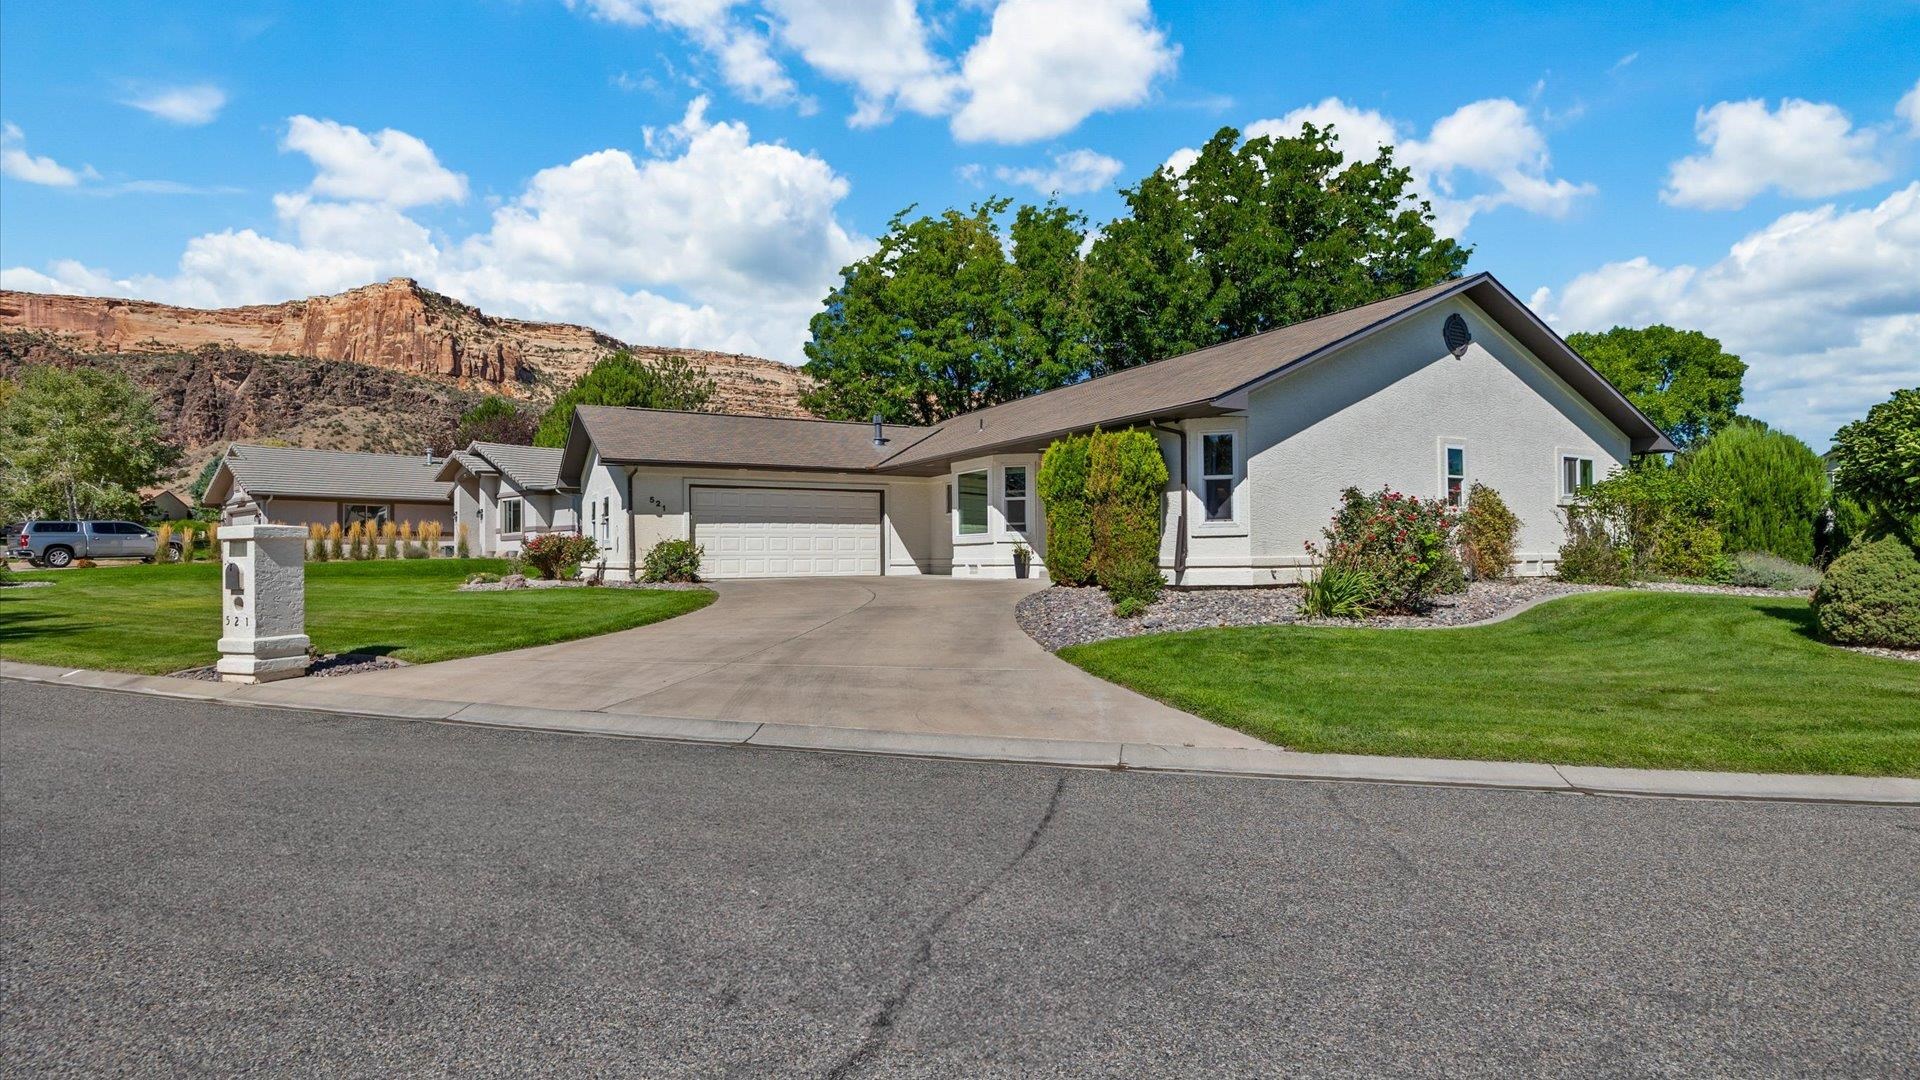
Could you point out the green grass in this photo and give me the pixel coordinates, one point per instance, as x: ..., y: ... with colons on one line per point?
x: 1651, y: 680
x: 157, y: 619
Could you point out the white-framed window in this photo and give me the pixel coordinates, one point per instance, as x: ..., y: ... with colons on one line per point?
x: 1576, y: 474
x: 510, y: 518
x: 1219, y: 466
x: 365, y: 513
x: 1015, y: 479
x: 970, y: 498
x: 1453, y: 473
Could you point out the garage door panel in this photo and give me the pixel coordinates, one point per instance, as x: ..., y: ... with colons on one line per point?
x: 786, y: 532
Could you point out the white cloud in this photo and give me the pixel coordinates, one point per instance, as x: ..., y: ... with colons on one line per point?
x: 190, y: 105
x: 1908, y: 109
x: 1622, y: 63
x: 1046, y: 65
x: 878, y: 47
x: 710, y: 239
x: 1823, y: 305
x: 1803, y: 148
x: 1041, y: 67
x: 1483, y: 155
x: 20, y: 165
x: 390, y: 167
x: 1074, y: 172
x: 744, y: 53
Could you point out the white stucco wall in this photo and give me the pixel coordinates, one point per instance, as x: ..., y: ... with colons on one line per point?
x: 990, y: 554
x: 1382, y: 413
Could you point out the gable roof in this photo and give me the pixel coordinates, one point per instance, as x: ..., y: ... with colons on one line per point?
x: 1208, y: 381
x: 296, y: 473
x: 530, y: 468
x: 629, y: 436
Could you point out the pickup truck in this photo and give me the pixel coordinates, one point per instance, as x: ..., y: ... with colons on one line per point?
x: 58, y: 543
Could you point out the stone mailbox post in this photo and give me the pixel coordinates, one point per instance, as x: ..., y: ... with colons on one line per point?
x: 263, y: 603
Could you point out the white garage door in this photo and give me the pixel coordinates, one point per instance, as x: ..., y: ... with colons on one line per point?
x: 786, y: 532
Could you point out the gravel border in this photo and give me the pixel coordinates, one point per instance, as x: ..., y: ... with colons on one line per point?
x: 328, y: 666
x: 1885, y: 654
x: 1057, y: 617
x: 574, y: 583
x: 27, y: 585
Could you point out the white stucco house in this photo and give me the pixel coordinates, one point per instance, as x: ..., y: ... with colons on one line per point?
x: 505, y: 494
x: 296, y: 486
x: 1428, y: 392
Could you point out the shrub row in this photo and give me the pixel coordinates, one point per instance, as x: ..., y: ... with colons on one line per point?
x: 1104, y: 495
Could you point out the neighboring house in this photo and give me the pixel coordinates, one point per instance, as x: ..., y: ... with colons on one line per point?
x: 163, y: 504
x: 293, y: 486
x: 505, y: 494
x: 1428, y: 392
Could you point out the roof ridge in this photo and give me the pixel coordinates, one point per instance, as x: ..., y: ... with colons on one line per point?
x: 1230, y: 341
x: 757, y: 416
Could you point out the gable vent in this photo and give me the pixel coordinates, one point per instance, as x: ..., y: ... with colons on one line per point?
x: 1456, y: 335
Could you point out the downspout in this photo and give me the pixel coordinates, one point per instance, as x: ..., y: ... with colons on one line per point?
x: 633, y: 535
x: 1180, y: 531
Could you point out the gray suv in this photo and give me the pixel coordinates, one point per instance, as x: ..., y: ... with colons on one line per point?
x: 58, y: 543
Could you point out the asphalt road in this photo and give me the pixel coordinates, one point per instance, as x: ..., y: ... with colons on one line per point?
x: 199, y: 888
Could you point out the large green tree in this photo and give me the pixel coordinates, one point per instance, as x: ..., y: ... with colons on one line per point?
x: 1768, y: 487
x: 1682, y: 379
x: 1877, y: 462
x: 668, y: 382
x: 950, y: 314
x: 1256, y: 235
x: 78, y: 443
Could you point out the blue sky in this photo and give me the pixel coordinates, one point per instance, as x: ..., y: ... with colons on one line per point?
x: 695, y: 171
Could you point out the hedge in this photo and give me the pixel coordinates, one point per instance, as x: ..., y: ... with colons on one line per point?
x: 1062, y: 483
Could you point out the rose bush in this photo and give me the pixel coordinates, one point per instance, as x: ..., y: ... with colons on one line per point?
x: 1401, y: 543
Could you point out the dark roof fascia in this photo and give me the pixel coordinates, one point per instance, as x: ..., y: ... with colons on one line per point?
x: 1187, y: 410
x: 1581, y: 375
x: 1236, y: 398
x: 1517, y: 319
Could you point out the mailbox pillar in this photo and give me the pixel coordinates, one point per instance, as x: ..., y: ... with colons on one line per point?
x: 263, y: 603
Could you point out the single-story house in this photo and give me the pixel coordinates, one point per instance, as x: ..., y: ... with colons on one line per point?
x: 505, y: 494
x: 164, y: 504
x: 1429, y: 392
x: 295, y: 486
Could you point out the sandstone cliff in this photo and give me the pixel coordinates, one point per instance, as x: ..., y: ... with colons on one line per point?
x: 396, y: 325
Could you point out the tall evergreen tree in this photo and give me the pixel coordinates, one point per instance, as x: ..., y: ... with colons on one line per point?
x: 1769, y: 488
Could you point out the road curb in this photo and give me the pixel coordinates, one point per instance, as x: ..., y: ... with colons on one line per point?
x: 1272, y: 764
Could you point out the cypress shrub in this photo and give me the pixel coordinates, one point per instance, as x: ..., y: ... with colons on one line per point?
x: 1062, y: 483
x: 1871, y: 596
x: 1126, y: 488
x: 1489, y: 531
x: 1768, y: 486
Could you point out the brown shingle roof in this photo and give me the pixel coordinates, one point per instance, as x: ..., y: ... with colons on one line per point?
x: 1208, y: 381
x: 626, y: 436
x: 1181, y: 384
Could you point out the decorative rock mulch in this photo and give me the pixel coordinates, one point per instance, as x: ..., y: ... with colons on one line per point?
x: 509, y: 584
x: 1059, y: 617
x: 1890, y: 654
x: 26, y: 585
x: 329, y: 666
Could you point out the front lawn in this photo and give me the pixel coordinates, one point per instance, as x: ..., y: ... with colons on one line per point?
x: 1651, y: 680
x: 156, y: 619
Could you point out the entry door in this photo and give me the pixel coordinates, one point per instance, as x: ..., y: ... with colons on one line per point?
x: 786, y: 532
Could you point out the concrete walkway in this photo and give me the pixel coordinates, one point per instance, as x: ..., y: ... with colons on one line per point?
x: 909, y: 655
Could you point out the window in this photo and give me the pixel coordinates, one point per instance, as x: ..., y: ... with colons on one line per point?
x: 53, y: 526
x: 1216, y: 475
x: 1576, y: 474
x: 1453, y: 478
x: 1016, y: 498
x: 509, y: 515
x: 366, y: 513
x: 973, y: 503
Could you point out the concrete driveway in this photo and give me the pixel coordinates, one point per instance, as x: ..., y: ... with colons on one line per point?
x: 888, y: 654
